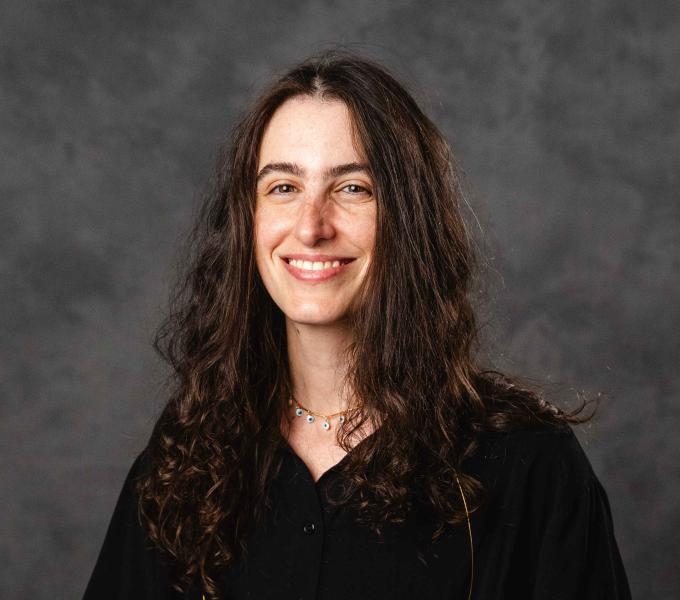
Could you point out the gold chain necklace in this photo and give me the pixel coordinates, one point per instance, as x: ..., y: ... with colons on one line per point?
x: 472, y: 544
x: 311, y: 415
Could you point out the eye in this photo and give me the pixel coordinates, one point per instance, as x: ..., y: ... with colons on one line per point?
x: 357, y: 189
x: 286, y: 188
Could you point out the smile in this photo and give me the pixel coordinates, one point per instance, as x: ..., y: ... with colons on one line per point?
x: 308, y: 270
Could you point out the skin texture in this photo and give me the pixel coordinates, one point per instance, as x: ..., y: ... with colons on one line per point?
x: 314, y: 213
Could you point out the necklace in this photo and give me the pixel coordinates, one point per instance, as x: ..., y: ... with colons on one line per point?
x: 311, y: 415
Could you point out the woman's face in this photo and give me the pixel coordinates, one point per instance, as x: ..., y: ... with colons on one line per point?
x: 315, y: 213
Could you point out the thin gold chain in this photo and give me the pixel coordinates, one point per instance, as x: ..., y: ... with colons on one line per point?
x: 315, y: 414
x: 472, y: 546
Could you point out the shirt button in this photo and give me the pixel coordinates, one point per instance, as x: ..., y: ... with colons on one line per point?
x: 309, y: 528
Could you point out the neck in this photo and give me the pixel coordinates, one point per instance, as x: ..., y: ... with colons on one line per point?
x: 317, y: 367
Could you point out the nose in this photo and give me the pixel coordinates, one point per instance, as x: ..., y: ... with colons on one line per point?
x: 314, y: 221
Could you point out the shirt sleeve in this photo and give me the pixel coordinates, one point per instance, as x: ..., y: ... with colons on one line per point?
x: 128, y: 566
x: 576, y: 555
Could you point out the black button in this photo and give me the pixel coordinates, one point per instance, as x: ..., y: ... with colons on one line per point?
x: 309, y: 528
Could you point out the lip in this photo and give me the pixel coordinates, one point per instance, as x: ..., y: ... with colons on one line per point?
x: 317, y: 257
x: 315, y: 276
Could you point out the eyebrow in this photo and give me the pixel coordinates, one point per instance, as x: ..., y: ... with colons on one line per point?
x: 294, y: 169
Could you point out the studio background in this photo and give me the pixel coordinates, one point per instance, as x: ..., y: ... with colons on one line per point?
x: 564, y: 115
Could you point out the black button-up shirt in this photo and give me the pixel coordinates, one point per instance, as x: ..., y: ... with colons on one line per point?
x: 545, y: 531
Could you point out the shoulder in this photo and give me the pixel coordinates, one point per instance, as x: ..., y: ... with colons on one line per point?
x: 129, y: 564
x: 127, y: 504
x: 137, y: 469
x: 534, y: 478
x: 557, y: 441
x: 544, y: 517
x: 548, y: 456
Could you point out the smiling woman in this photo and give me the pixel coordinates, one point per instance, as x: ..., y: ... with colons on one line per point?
x: 321, y: 229
x: 331, y: 434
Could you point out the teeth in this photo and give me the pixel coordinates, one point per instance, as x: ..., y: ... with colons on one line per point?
x: 313, y: 266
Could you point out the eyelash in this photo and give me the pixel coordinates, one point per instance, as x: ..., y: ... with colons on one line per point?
x: 361, y: 187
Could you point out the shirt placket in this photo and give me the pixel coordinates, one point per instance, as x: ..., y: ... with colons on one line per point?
x: 310, y: 529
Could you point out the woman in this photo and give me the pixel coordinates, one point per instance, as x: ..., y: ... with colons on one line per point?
x: 330, y: 434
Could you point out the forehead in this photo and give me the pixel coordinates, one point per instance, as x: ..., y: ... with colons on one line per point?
x: 309, y: 130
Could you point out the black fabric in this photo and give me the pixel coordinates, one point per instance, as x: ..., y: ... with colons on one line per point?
x: 544, y: 532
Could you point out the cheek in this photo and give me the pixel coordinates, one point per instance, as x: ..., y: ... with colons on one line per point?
x: 366, y: 233
x: 260, y: 243
x: 262, y: 231
x: 269, y: 231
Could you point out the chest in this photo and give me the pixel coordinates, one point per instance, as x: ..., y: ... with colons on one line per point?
x: 318, y: 450
x: 310, y: 549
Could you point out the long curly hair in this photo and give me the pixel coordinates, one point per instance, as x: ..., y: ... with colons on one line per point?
x: 217, y: 445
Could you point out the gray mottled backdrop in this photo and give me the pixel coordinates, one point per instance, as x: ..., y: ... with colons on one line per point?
x: 565, y: 115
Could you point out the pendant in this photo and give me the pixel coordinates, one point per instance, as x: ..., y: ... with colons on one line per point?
x: 325, y: 423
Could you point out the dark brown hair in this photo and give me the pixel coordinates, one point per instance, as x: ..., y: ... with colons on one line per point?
x: 217, y: 445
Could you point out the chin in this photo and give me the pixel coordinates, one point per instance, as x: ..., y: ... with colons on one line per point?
x: 315, y: 317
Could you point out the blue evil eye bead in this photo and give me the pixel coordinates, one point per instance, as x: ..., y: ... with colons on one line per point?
x: 310, y: 418
x: 326, y: 425
x: 342, y: 418
x: 298, y: 412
